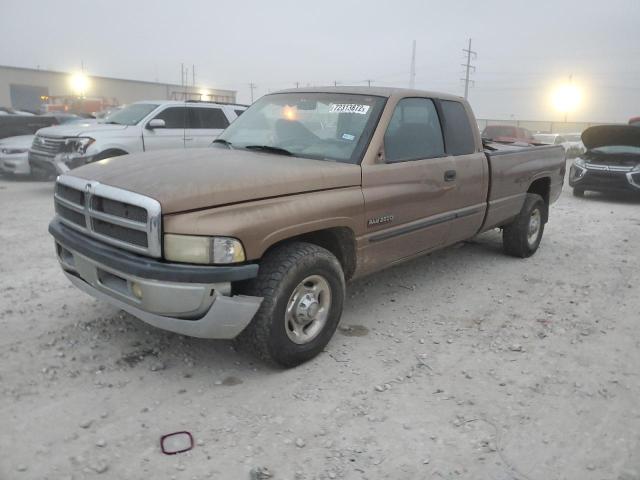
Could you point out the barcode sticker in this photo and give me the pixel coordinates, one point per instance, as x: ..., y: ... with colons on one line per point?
x: 348, y: 108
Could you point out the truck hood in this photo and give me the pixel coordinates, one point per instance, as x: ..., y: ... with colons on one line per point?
x: 183, y: 180
x: 79, y: 129
x: 609, y: 135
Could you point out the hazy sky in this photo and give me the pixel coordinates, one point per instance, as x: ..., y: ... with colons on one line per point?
x: 525, y: 49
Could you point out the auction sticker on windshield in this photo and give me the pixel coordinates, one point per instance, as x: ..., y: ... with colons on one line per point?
x: 348, y: 108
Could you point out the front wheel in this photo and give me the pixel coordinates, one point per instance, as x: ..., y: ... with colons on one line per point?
x: 303, y: 288
x: 522, y: 237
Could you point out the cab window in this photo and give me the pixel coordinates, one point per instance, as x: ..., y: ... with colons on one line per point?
x: 458, y: 133
x: 209, y: 118
x: 414, y: 131
x: 174, y: 117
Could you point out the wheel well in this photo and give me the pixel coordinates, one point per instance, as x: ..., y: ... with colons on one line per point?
x: 340, y: 241
x: 542, y: 187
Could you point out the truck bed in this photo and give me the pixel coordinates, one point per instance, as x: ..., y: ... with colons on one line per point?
x: 512, y: 168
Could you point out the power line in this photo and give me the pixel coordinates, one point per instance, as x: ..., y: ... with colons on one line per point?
x: 469, y: 68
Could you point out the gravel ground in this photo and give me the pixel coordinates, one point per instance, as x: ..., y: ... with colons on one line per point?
x: 463, y: 364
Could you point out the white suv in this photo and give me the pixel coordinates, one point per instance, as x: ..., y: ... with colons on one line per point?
x: 139, y: 127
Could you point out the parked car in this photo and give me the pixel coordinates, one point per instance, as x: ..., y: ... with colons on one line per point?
x: 635, y: 121
x: 139, y: 127
x: 507, y: 134
x: 14, y: 151
x: 14, y: 155
x: 306, y: 190
x: 611, y: 162
x: 571, y: 142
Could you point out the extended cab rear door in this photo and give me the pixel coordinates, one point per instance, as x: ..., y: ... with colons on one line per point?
x: 204, y: 124
x: 467, y: 205
x: 172, y: 134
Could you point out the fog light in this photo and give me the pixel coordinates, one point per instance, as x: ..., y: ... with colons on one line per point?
x: 137, y: 290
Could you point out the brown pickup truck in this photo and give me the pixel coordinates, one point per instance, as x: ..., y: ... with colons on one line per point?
x: 256, y: 236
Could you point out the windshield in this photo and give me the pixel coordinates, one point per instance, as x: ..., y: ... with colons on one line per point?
x: 542, y: 138
x: 131, y: 114
x: 617, y: 149
x: 323, y: 126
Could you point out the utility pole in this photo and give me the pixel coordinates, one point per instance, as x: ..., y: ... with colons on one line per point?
x: 412, y: 73
x: 368, y: 82
x: 182, y: 75
x: 468, y: 68
x: 297, y: 84
x: 193, y: 74
x: 335, y: 83
x: 252, y: 86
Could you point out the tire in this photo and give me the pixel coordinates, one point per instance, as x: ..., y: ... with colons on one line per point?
x: 273, y: 329
x: 578, y: 192
x: 522, y: 237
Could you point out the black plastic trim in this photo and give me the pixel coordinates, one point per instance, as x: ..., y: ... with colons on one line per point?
x: 425, y: 224
x: 145, y: 267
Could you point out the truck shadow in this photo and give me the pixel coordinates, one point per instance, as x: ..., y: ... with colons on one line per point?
x: 136, y: 345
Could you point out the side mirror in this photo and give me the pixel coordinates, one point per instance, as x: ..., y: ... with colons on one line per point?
x: 156, y: 123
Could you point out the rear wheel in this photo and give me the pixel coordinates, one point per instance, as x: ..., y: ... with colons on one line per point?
x: 522, y: 237
x: 578, y: 192
x: 302, y: 286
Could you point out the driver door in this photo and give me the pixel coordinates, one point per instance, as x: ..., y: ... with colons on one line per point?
x: 409, y: 195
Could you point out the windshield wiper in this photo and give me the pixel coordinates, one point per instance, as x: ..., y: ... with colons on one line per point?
x: 269, y: 149
x: 222, y: 141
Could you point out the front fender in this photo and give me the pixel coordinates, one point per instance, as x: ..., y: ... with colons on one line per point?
x: 263, y: 223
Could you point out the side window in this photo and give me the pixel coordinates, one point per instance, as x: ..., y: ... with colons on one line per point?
x: 239, y: 112
x: 414, y: 131
x: 174, y: 117
x: 211, y: 118
x: 457, y: 129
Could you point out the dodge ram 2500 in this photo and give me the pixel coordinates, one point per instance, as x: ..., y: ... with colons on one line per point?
x: 256, y: 236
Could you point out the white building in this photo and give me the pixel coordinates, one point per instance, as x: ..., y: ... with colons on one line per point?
x: 28, y: 88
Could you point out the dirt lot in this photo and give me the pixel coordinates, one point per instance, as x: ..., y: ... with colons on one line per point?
x: 463, y: 364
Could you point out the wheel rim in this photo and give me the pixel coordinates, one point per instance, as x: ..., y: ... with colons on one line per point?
x: 535, y: 222
x: 307, y: 309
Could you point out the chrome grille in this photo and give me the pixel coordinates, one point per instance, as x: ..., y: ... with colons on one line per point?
x: 608, y: 168
x: 48, y: 146
x: 115, y: 216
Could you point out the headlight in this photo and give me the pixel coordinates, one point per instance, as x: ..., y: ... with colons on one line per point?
x: 79, y: 144
x: 206, y: 250
x: 13, y: 151
x: 636, y: 168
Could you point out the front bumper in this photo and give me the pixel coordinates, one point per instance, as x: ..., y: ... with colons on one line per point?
x: 17, y: 164
x: 190, y: 300
x: 604, y: 180
x: 55, y: 165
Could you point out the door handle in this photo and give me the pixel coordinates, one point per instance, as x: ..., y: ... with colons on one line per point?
x: 449, y: 175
